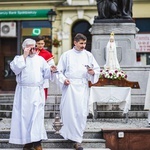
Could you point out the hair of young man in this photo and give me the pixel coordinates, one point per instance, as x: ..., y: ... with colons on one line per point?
x: 79, y: 37
x: 39, y: 38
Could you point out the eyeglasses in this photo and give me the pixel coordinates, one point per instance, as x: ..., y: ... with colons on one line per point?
x: 33, y: 48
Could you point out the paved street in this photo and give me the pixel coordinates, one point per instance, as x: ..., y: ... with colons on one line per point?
x: 97, y: 125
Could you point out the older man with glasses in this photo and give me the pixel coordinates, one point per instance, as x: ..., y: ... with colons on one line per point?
x: 27, y: 124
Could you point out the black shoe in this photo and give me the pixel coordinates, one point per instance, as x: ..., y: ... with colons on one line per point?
x: 78, y: 146
x: 28, y: 146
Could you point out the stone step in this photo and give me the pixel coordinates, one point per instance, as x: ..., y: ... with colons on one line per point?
x: 99, y: 114
x: 59, y: 143
x: 8, y: 114
x: 51, y: 135
x: 55, y: 106
x: 119, y: 114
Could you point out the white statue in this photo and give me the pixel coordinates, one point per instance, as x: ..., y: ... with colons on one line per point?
x: 111, y: 55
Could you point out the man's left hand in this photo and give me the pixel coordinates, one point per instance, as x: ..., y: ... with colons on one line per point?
x: 91, y: 71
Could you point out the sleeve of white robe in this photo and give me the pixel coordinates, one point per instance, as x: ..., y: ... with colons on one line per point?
x: 18, y: 64
x: 94, y: 78
x: 52, y: 63
x: 47, y: 71
x: 61, y: 69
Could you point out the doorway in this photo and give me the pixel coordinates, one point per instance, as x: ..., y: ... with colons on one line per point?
x: 83, y: 27
x: 8, y: 50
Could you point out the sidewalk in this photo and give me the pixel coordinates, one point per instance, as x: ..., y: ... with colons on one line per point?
x: 97, y: 125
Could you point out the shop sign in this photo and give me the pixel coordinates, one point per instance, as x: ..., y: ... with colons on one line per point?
x: 143, y: 42
x: 24, y: 14
x: 36, y: 31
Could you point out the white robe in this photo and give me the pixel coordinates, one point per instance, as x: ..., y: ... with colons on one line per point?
x: 111, y: 57
x: 147, y: 97
x: 27, y: 124
x: 75, y: 97
x: 46, y: 81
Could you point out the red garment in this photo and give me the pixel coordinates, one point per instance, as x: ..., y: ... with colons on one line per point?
x: 47, y: 56
x: 46, y: 93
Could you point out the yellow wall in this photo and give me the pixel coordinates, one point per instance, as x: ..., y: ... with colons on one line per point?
x: 141, y: 10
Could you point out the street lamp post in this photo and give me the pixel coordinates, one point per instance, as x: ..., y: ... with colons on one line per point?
x: 51, y: 15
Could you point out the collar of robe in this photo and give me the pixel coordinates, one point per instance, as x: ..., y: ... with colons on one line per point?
x: 77, y: 51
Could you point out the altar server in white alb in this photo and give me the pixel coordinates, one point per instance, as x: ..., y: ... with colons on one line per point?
x: 27, y: 124
x: 147, y: 99
x: 75, y: 68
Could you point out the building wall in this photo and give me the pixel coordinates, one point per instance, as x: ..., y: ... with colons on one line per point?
x: 140, y: 10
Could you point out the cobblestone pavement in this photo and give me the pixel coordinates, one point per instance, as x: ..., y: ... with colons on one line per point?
x: 96, y: 125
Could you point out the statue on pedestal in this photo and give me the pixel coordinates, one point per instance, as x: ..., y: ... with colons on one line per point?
x: 106, y: 9
x: 125, y: 8
x: 109, y: 9
x: 111, y: 55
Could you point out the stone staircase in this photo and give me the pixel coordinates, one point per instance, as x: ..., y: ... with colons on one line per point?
x: 52, y: 108
x: 91, y: 139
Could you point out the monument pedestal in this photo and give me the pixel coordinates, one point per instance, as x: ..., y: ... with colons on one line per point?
x: 124, y: 37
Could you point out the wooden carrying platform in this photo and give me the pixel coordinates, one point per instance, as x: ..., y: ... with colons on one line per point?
x: 127, y: 139
x: 121, y: 83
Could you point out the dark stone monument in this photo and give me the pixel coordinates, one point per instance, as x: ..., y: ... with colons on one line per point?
x: 114, y: 11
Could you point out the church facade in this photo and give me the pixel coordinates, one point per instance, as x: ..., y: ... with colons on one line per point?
x: 20, y: 19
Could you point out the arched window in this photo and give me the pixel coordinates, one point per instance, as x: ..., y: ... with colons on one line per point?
x: 83, y: 27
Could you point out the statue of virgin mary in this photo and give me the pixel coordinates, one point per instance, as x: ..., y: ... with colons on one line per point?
x: 111, y: 54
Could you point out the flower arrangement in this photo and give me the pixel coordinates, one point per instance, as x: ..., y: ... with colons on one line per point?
x: 56, y: 42
x: 113, y: 74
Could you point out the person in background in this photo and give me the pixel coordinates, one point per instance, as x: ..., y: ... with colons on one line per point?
x: 75, y: 68
x: 147, y: 100
x: 47, y: 56
x: 27, y: 123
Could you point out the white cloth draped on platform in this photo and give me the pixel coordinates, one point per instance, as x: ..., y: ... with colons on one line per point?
x: 111, y: 95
